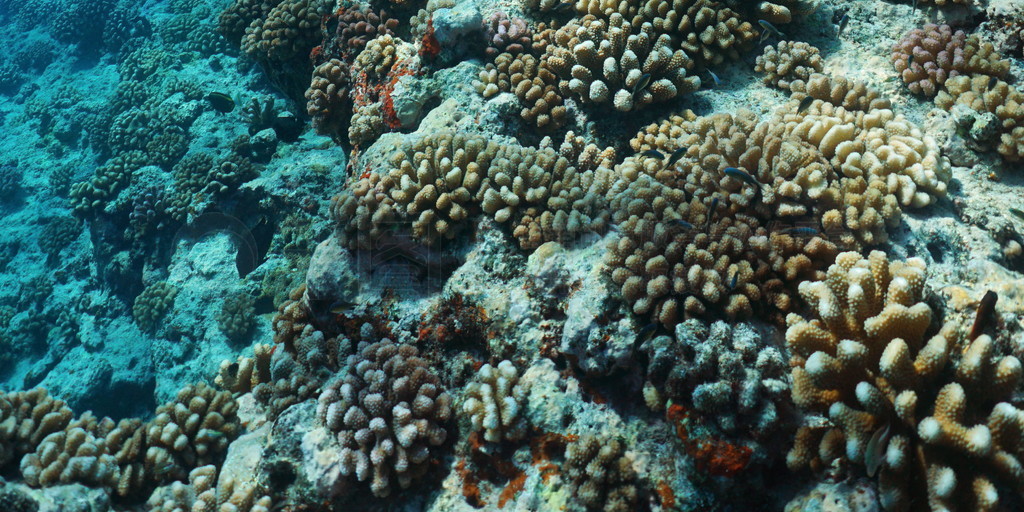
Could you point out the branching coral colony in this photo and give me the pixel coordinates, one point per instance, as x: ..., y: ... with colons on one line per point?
x: 713, y: 228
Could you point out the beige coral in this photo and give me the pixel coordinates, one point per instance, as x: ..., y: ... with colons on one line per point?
x: 984, y: 94
x: 610, y: 62
x: 902, y: 399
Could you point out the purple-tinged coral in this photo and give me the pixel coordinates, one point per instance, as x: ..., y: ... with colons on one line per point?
x: 927, y: 57
x: 506, y: 35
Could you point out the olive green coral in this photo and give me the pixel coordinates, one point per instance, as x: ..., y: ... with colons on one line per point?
x: 152, y: 304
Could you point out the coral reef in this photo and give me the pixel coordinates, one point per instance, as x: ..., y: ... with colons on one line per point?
x: 896, y: 391
x: 926, y: 57
x: 206, y: 493
x: 640, y: 68
x: 389, y: 413
x: 730, y: 373
x: 151, y: 305
x: 601, y: 473
x: 494, y: 402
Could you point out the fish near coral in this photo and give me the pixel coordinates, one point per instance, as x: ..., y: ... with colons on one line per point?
x: 221, y: 102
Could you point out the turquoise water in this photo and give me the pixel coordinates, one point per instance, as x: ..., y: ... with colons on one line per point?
x: 530, y: 255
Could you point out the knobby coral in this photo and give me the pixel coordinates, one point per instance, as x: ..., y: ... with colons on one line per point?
x: 928, y: 411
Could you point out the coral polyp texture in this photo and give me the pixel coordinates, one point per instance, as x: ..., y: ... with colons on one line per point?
x: 601, y: 473
x: 495, y: 402
x: 437, y: 184
x: 926, y: 57
x: 924, y: 408
x: 989, y: 95
x: 389, y: 413
x: 608, y: 62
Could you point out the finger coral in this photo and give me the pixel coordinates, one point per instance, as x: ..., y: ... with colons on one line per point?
x: 495, y: 402
x: 436, y: 185
x: 534, y: 85
x: 151, y: 305
x: 609, y: 62
x: 206, y: 493
x: 389, y: 413
x: 926, y: 410
x: 788, y: 61
x: 729, y: 373
x: 601, y: 473
x: 927, y: 57
x: 984, y: 94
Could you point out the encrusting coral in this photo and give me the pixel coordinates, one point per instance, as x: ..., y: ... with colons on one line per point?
x: 494, y: 402
x: 389, y: 412
x: 928, y: 411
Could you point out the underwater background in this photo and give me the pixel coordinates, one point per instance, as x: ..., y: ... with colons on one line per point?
x: 532, y: 255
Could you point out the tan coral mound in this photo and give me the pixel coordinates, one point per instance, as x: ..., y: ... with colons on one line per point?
x: 927, y: 410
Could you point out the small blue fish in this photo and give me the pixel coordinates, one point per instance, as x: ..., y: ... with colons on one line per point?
x: 1018, y: 213
x: 732, y: 282
x: 992, y: 82
x: 676, y: 155
x: 799, y: 231
x: 680, y: 223
x: 743, y: 176
x: 769, y: 28
x: 714, y: 78
x: 910, y: 60
x: 653, y: 153
x: 842, y: 23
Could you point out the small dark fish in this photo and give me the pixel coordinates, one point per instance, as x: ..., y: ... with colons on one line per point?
x: 287, y: 127
x: 342, y: 306
x: 732, y: 282
x: 714, y: 78
x: 676, y: 155
x: 842, y: 22
x: 743, y: 176
x: 769, y: 28
x: 680, y: 223
x: 164, y: 469
x: 914, y: 7
x: 799, y: 231
x: 653, y: 153
x: 986, y: 307
x: 221, y: 102
x: 1017, y: 212
x: 646, y: 333
x: 804, y: 103
x: 641, y: 84
x: 563, y: 7
x: 711, y: 213
x: 874, y: 452
x: 910, y: 60
x: 992, y: 82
